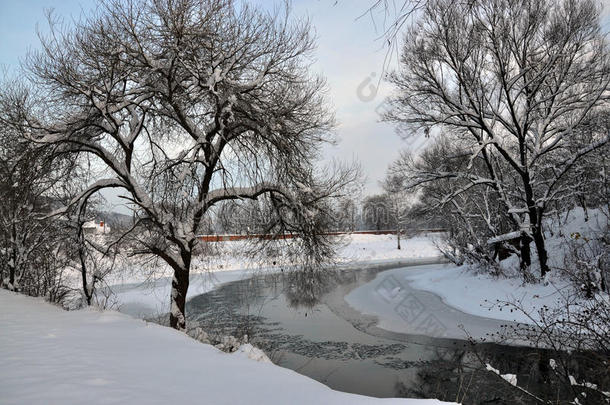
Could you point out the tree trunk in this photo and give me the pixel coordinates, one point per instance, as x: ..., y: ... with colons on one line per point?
x: 525, y: 259
x: 180, y: 285
x: 583, y: 204
x: 541, y: 248
x: 11, y: 278
x: 535, y: 217
x: 398, y: 238
x: 83, y: 270
x: 12, y: 268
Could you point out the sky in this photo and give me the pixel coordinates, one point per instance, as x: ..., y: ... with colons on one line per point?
x: 350, y: 55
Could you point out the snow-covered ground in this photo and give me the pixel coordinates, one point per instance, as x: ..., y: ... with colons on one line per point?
x: 89, y: 356
x: 483, y: 295
x: 366, y: 248
x: 146, y: 292
x: 51, y: 356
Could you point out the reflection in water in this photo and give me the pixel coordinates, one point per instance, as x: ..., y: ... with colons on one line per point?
x: 301, y: 322
x: 305, y: 288
x: 458, y: 375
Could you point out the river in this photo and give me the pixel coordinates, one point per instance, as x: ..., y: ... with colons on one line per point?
x: 304, y: 323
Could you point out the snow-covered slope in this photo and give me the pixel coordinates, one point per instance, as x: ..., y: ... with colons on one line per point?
x: 49, y: 356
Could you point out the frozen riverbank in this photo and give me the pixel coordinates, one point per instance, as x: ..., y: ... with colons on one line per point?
x: 449, y: 301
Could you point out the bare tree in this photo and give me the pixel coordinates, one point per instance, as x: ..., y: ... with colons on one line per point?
x: 512, y: 81
x: 346, y: 214
x: 587, y: 184
x: 399, y: 200
x: 390, y: 19
x: 187, y: 104
x: 92, y: 259
x: 472, y: 213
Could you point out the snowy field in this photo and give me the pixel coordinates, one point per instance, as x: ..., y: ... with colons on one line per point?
x: 51, y: 356
x: 375, y: 248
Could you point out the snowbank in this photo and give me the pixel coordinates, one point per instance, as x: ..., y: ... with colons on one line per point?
x: 571, y: 226
x: 480, y: 295
x: 50, y: 356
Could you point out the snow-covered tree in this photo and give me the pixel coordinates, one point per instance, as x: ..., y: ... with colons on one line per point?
x: 187, y: 104
x: 31, y: 245
x: 472, y: 214
x: 511, y: 81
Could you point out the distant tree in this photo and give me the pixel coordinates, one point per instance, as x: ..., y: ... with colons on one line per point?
x: 400, y: 200
x: 376, y: 213
x: 587, y: 185
x: 511, y: 81
x: 346, y: 214
x: 185, y: 105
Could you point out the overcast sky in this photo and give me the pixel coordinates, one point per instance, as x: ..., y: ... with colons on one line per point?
x: 350, y: 55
